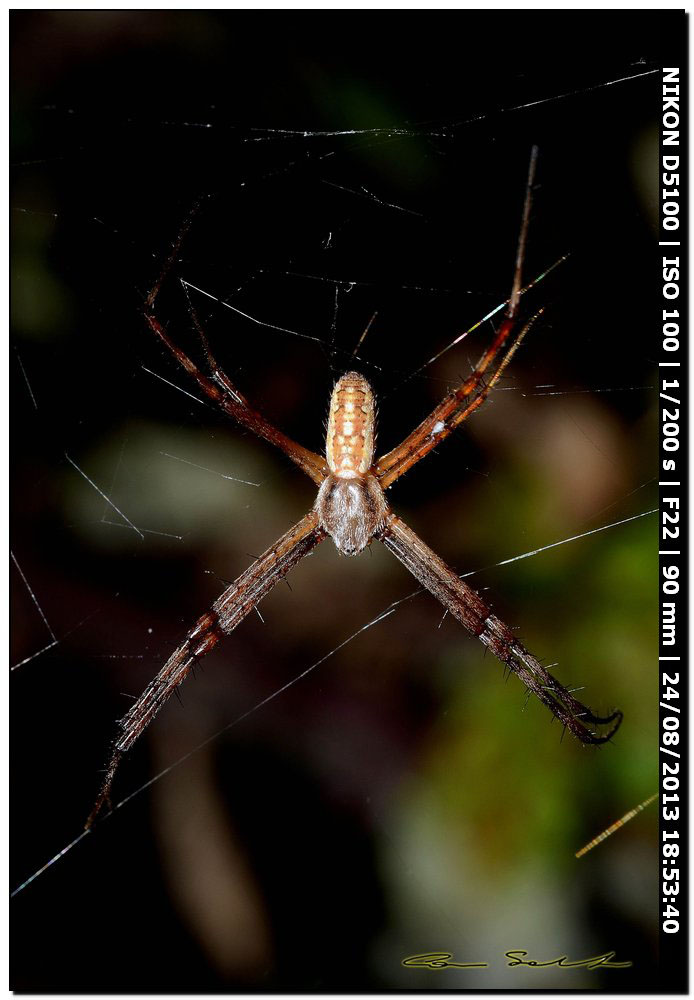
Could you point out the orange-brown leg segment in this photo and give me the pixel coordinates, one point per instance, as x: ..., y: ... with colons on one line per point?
x: 458, y: 405
x: 452, y: 411
x: 219, y: 388
x: 236, y: 407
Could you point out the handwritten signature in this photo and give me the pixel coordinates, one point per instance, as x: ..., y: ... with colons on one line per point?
x: 563, y: 962
x: 439, y: 960
x: 442, y: 960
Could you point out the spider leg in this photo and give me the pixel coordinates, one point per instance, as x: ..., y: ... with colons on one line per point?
x: 225, y: 614
x: 470, y: 610
x: 215, y: 370
x: 236, y: 407
x: 456, y: 407
x: 217, y: 373
x: 173, y: 254
x: 219, y: 388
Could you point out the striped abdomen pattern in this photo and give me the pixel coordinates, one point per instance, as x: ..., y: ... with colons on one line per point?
x: 349, y: 443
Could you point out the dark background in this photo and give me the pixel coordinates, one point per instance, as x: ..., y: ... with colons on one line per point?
x: 398, y: 800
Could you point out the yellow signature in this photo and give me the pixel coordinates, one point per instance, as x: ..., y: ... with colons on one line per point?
x: 442, y: 960
x: 439, y: 960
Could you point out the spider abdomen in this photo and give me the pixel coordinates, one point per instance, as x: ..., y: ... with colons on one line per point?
x: 350, y: 502
x: 349, y: 443
x: 351, y: 511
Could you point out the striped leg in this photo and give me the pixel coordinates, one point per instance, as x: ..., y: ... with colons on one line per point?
x: 226, y: 613
x: 469, y: 609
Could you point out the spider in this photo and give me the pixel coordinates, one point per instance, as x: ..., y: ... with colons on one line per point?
x: 352, y: 509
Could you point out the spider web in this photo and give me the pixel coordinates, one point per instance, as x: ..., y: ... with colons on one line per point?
x: 346, y: 219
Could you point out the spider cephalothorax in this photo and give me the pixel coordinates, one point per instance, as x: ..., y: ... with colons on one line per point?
x: 350, y: 505
x: 352, y: 509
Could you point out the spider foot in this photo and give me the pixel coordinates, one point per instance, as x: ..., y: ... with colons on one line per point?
x: 576, y: 722
x: 603, y: 720
x: 104, y: 798
x: 615, y: 718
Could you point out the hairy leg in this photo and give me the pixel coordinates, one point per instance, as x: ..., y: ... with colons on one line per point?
x: 225, y: 614
x: 470, y: 610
